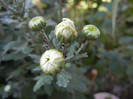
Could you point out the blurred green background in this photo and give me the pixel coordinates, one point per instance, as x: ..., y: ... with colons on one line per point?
x: 108, y: 68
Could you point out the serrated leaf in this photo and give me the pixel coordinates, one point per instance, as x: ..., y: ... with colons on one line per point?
x: 35, y: 57
x: 56, y: 43
x: 51, y: 35
x: 13, y: 56
x: 79, y: 82
x: 7, y: 20
x: 42, y: 80
x: 63, y: 79
x: 79, y: 56
x: 15, y: 45
x: 27, y: 50
x: 72, y: 49
x: 36, y: 69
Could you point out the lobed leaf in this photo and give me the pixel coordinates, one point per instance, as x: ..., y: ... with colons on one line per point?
x: 42, y: 80
x: 63, y: 79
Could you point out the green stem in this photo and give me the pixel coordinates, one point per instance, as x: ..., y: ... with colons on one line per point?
x: 60, y: 2
x: 45, y: 38
x: 73, y: 94
x: 64, y: 48
x: 78, y: 51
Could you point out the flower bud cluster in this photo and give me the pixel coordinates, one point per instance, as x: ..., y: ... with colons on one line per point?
x: 53, y: 60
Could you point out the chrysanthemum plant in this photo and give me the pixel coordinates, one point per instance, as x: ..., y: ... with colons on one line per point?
x: 63, y: 51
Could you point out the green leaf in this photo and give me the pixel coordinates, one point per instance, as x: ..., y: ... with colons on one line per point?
x: 130, y: 47
x: 35, y: 57
x: 15, y: 45
x: 56, y: 43
x: 13, y: 56
x: 51, y: 35
x: 17, y: 72
x: 79, y: 56
x: 63, y: 79
x: 49, y: 89
x: 79, y: 82
x: 125, y: 40
x: 112, y: 55
x: 129, y: 70
x: 100, y: 66
x: 117, y: 69
x: 42, y: 80
x: 8, y: 20
x: 27, y: 50
x: 130, y: 19
x: 72, y: 49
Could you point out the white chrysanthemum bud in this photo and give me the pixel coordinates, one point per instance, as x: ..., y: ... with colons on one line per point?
x: 91, y: 32
x: 66, y: 31
x: 51, y: 61
x: 37, y: 23
x: 7, y: 88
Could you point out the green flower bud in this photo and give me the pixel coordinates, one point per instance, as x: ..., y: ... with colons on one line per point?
x: 66, y: 31
x: 91, y: 32
x: 51, y: 61
x: 37, y: 23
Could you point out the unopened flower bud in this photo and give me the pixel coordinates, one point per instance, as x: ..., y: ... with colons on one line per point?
x: 7, y: 88
x: 66, y: 31
x: 37, y: 23
x: 91, y: 32
x: 51, y: 61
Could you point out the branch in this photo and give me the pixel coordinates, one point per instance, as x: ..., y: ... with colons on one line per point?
x: 78, y: 51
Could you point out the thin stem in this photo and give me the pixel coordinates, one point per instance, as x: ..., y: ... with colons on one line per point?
x: 64, y: 48
x: 45, y: 38
x: 78, y: 51
x: 60, y: 2
x: 8, y: 7
x: 42, y: 36
x: 73, y: 94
